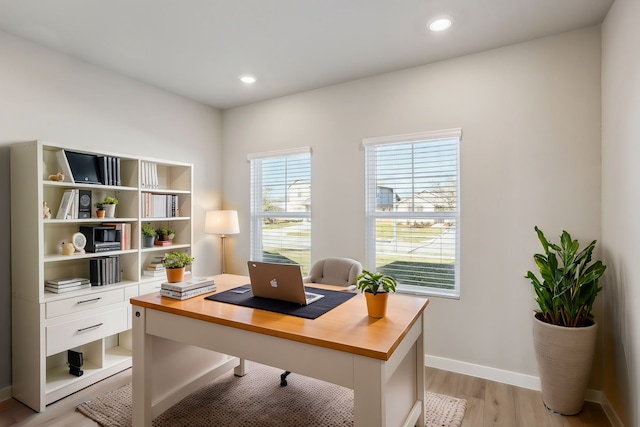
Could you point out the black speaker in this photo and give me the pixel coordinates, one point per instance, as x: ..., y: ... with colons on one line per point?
x: 84, y: 203
x: 75, y: 361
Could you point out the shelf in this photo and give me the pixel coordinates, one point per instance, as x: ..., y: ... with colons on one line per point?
x: 52, y: 296
x: 86, y: 255
x: 92, y: 220
x: 66, y: 185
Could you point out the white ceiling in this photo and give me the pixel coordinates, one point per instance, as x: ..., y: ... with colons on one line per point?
x: 198, y: 48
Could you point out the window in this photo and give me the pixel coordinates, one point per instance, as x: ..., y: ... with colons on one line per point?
x: 412, y: 212
x: 281, y: 207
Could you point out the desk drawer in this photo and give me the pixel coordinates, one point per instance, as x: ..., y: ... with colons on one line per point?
x: 84, y: 302
x: 74, y: 333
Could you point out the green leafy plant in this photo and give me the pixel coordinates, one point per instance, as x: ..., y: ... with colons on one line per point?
x: 165, y: 233
x: 99, y: 206
x: 375, y: 282
x: 110, y: 201
x: 569, y: 283
x: 177, y: 260
x: 148, y: 230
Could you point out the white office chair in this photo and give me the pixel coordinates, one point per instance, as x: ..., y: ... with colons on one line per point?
x: 331, y: 271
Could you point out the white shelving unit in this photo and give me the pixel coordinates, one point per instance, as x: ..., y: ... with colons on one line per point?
x: 95, y: 321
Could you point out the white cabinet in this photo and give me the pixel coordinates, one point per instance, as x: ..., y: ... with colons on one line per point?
x: 96, y: 320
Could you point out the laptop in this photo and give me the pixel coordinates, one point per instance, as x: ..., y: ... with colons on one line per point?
x: 279, y: 281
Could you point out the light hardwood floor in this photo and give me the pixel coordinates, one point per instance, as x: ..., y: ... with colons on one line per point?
x: 492, y: 404
x: 489, y: 404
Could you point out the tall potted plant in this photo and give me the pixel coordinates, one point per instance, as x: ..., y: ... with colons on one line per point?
x: 376, y: 288
x: 564, y: 330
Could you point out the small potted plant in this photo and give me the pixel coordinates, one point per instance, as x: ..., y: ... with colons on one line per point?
x: 99, y: 209
x: 376, y: 288
x: 148, y: 234
x: 175, y: 263
x: 165, y: 234
x: 109, y: 203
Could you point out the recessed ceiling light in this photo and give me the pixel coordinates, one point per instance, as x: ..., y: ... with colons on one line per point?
x: 440, y: 23
x: 247, y: 79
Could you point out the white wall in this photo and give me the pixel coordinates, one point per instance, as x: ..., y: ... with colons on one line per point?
x: 530, y: 155
x: 621, y: 207
x: 45, y: 95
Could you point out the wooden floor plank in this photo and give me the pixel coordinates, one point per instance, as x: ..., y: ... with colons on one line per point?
x: 489, y: 404
x: 499, y: 407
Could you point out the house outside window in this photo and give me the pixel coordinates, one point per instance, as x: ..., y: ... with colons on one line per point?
x: 281, y: 207
x: 413, y: 210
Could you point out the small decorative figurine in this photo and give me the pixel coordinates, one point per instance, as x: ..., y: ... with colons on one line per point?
x: 57, y: 177
x: 46, y: 212
x: 68, y: 248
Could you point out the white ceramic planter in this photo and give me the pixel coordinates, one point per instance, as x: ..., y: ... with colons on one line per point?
x: 565, y: 358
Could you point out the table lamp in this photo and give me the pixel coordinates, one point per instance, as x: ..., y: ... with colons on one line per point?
x: 223, y: 223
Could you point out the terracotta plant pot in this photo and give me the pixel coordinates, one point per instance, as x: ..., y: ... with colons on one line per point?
x: 100, y: 213
x: 175, y: 275
x: 377, y: 304
x: 565, y: 358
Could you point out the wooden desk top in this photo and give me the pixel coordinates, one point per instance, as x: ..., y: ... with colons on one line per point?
x: 346, y: 328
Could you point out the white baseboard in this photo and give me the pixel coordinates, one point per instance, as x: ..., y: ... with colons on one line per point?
x: 486, y: 372
x: 599, y: 397
x: 514, y: 378
x: 6, y: 393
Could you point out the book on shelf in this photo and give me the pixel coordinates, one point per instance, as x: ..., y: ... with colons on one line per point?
x: 125, y: 233
x: 80, y: 282
x: 105, y: 270
x: 64, y: 166
x: 65, y: 205
x: 67, y: 281
x: 109, y: 170
x: 59, y: 290
x: 155, y: 267
x: 187, y: 294
x: 163, y: 242
x: 154, y: 273
x: 195, y: 282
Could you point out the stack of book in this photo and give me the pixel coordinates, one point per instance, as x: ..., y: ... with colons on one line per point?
x: 155, y: 268
x: 188, y: 288
x: 67, y: 285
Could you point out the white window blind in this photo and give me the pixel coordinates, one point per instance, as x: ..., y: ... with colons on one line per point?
x: 281, y: 207
x: 413, y: 217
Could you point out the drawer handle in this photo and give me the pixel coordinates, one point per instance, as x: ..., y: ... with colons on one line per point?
x: 89, y: 300
x: 90, y: 327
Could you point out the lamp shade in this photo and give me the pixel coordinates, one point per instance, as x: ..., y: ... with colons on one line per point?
x: 222, y: 222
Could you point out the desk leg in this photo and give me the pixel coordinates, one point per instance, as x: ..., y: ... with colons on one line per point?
x: 368, y: 387
x: 141, y: 375
x: 240, y: 371
x: 420, y: 387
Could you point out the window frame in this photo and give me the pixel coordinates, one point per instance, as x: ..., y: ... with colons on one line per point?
x: 371, y: 214
x: 256, y: 199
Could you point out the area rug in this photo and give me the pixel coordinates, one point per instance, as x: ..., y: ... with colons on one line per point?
x: 257, y: 400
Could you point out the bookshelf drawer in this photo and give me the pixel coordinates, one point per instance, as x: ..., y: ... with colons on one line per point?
x: 64, y: 336
x: 84, y: 302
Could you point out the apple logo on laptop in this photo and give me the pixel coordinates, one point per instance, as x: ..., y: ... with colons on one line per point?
x: 274, y: 283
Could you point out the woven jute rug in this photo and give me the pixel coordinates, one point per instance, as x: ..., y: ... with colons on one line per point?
x: 257, y: 400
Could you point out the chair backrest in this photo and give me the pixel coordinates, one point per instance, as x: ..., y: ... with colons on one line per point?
x: 335, y: 271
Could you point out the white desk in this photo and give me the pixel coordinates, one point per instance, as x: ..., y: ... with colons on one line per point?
x: 380, y: 359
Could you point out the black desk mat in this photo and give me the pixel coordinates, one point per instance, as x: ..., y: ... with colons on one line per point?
x: 314, y: 310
